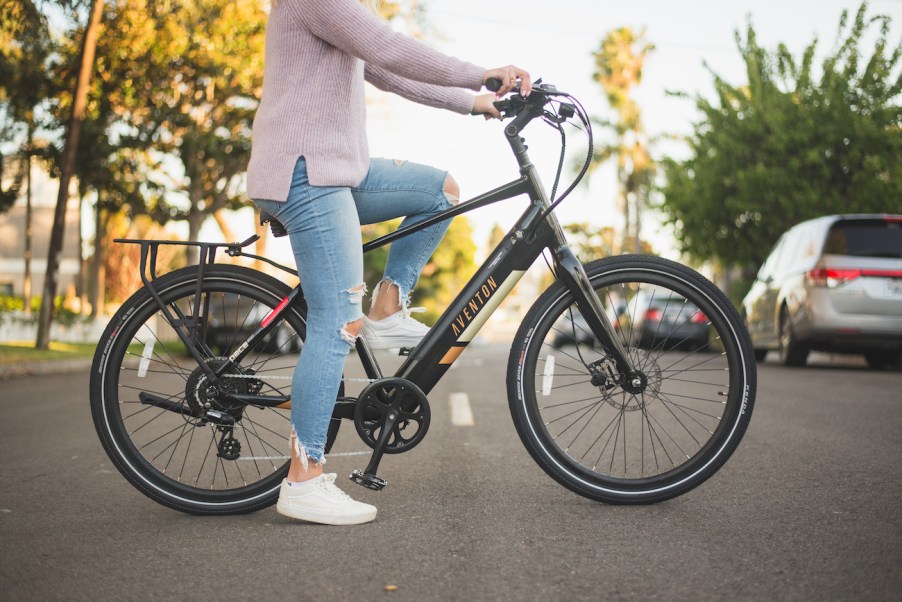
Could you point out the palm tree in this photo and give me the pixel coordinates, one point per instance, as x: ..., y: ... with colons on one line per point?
x: 618, y: 68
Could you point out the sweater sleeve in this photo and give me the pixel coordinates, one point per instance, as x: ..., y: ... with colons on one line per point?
x: 348, y: 26
x: 453, y: 99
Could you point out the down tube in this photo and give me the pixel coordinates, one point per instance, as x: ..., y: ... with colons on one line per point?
x: 468, y: 312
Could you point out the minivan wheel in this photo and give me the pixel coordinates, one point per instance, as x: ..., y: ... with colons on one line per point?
x: 792, y: 353
x: 882, y: 360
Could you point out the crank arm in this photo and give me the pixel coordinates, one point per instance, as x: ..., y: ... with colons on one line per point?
x: 368, y: 478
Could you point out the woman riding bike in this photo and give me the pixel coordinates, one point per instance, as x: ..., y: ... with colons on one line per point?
x: 310, y: 169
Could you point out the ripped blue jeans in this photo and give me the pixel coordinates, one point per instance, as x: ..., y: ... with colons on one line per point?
x: 323, y: 224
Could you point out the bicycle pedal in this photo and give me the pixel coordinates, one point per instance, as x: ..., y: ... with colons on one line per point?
x: 370, y: 481
x: 405, y: 350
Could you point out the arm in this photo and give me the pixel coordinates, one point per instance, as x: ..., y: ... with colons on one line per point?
x: 351, y: 28
x: 453, y: 99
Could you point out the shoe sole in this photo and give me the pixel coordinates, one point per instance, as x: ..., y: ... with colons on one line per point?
x: 390, y: 344
x: 325, y: 518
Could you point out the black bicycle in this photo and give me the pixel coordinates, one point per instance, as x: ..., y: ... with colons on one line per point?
x: 631, y: 380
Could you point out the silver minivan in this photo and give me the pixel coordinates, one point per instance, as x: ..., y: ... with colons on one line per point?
x: 831, y: 284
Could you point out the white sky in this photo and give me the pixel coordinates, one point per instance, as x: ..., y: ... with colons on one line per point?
x: 555, y: 40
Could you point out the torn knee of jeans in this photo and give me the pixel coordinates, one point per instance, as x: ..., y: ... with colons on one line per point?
x: 451, y: 190
x: 399, y: 162
x: 350, y: 331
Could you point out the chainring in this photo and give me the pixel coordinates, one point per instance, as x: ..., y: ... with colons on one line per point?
x: 381, y: 398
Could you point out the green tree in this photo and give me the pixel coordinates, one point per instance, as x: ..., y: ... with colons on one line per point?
x: 591, y: 242
x: 444, y: 274
x: 788, y: 145
x: 67, y: 162
x: 26, y: 48
x: 182, y: 79
x: 618, y: 69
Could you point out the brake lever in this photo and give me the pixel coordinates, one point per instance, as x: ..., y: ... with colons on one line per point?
x: 510, y: 106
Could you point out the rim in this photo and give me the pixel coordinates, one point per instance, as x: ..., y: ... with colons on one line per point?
x: 177, y: 454
x: 661, y: 436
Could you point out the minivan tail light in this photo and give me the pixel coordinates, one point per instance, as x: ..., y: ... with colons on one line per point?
x: 653, y: 315
x: 831, y: 277
x: 699, y: 318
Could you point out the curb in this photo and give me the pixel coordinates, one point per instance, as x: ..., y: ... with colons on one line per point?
x: 49, y: 367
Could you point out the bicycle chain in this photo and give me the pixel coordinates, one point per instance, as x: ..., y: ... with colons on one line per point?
x: 274, y: 377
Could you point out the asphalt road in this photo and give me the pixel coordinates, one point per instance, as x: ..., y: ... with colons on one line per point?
x: 809, y: 508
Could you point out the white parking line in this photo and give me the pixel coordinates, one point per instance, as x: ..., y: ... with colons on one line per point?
x: 461, y: 414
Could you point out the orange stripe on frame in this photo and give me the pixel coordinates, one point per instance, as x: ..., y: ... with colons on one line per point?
x: 452, y: 354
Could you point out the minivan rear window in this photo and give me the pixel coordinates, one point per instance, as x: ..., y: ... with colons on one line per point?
x: 865, y: 238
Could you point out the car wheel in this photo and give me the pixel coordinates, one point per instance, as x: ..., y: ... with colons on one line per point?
x: 760, y: 354
x: 882, y: 360
x: 792, y: 353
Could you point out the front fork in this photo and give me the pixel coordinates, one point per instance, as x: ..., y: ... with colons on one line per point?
x: 571, y: 272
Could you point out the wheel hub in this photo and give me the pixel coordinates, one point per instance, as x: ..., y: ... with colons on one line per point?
x: 203, y: 395
x: 636, y: 390
x: 635, y: 383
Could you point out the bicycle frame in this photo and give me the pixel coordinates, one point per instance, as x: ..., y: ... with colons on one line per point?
x: 536, y: 229
x: 533, y: 232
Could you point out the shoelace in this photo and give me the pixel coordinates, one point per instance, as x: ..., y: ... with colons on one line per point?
x: 328, y: 484
x: 406, y: 311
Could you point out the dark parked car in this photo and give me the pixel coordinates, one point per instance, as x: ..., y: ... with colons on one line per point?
x: 648, y: 321
x: 666, y: 322
x: 233, y: 318
x: 831, y: 284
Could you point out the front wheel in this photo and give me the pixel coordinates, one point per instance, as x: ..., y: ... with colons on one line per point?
x: 647, y: 440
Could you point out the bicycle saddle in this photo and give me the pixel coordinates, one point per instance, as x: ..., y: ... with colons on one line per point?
x: 277, y: 227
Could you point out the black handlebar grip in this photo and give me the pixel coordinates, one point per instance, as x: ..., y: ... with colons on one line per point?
x: 493, y: 84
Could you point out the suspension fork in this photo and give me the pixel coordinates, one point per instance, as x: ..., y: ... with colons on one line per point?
x: 571, y: 272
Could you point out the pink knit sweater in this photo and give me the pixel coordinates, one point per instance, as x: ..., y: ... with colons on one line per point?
x: 318, y: 53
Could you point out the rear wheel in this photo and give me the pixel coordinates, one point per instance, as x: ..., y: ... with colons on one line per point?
x: 792, y: 352
x: 176, y: 439
x: 665, y: 431
x: 882, y: 360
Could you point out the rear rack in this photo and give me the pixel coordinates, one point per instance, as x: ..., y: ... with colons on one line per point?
x: 191, y: 328
x: 206, y: 256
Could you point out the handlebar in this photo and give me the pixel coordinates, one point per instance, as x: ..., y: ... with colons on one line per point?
x: 525, y: 109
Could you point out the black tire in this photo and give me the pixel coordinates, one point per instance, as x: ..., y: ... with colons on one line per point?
x: 760, y: 354
x: 173, y: 457
x: 792, y: 352
x: 667, y: 439
x: 882, y: 360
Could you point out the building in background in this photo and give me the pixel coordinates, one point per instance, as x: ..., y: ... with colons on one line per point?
x: 12, y: 247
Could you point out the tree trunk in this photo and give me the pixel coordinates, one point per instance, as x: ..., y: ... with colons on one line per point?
x: 195, y: 221
x: 80, y: 283
x: 98, y: 272
x: 67, y: 166
x: 26, y: 281
x: 222, y: 222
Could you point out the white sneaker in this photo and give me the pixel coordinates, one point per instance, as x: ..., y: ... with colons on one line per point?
x: 397, y: 330
x: 320, y: 500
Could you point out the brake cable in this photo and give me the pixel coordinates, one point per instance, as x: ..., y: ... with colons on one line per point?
x: 580, y: 111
